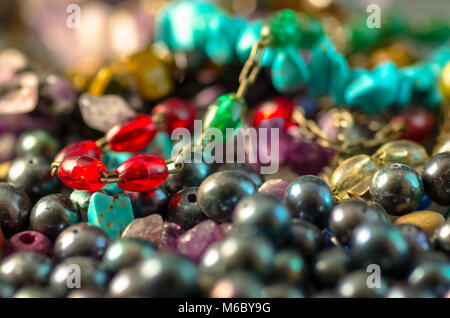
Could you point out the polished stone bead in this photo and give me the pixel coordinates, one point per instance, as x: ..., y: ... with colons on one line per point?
x: 436, y: 178
x: 277, y: 187
x: 219, y: 193
x: 331, y: 265
x: 37, y: 142
x: 147, y: 203
x: 401, y: 151
x: 192, y: 175
x: 398, y: 188
x: 194, y: 242
x: 28, y: 241
x: 169, y: 236
x: 81, y: 239
x: 15, y: 208
x: 428, y: 221
x: 431, y: 275
x: 237, y: 285
x: 354, y: 285
x: 310, y: 198
x: 289, y: 71
x: 183, y: 209
x: 148, y: 228
x: 25, y: 268
x: 418, y: 239
x: 52, y: 214
x: 290, y: 267
x: 110, y: 213
x: 442, y: 237
x: 306, y: 237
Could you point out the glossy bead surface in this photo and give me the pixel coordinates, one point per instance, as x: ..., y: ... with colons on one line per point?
x: 132, y: 135
x: 192, y: 175
x: 402, y: 151
x: 142, y: 173
x: 28, y: 241
x: 33, y: 292
x: 419, y: 124
x: 284, y: 26
x: 82, y: 173
x: 310, y: 198
x: 276, y: 187
x: 305, y: 237
x: 331, y: 265
x: 442, y: 237
x: 15, y: 208
x: 246, y: 170
x: 25, y: 268
x: 432, y: 275
x: 398, y: 188
x: 278, y: 107
x: 219, y: 193
x: 184, y: 210
x: 179, y: 114
x: 418, y: 240
x: 354, y: 285
x: 237, y: 285
x: 37, y: 142
x: 428, y: 221
x: 52, y: 214
x: 81, y: 239
x: 147, y: 203
x: 436, y: 178
x: 86, y: 148
x: 289, y: 266
x: 445, y: 81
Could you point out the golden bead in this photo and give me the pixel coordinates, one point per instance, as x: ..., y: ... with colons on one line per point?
x: 428, y: 221
x: 401, y: 151
x: 445, y: 81
x: 353, y: 177
x: 108, y: 80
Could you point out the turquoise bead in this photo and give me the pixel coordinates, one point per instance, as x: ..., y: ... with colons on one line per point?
x: 387, y: 78
x: 112, y: 189
x: 289, y: 71
x: 112, y: 159
x: 247, y: 38
x: 442, y: 55
x: 361, y: 91
x: 161, y: 146
x: 110, y: 213
x: 405, y: 91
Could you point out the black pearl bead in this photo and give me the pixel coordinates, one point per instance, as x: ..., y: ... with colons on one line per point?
x: 237, y: 285
x: 81, y: 239
x: 417, y: 238
x: 331, y: 265
x: 434, y: 276
x: 405, y: 291
x: 281, y: 291
x: 290, y: 267
x: 25, y: 268
x: 88, y: 270
x: 398, y: 188
x: 184, y: 210
x: 84, y: 294
x: 246, y: 170
x: 310, y: 198
x: 266, y: 214
x: 15, y: 208
x: 147, y: 203
x: 127, y: 252
x: 381, y: 244
x: 52, y: 214
x: 442, y: 237
x: 192, y: 175
x: 305, y: 237
x: 347, y: 215
x: 219, y: 193
x: 37, y: 142
x: 354, y: 285
x: 432, y: 256
x: 436, y: 178
x: 33, y: 175
x: 33, y: 292
x: 164, y: 275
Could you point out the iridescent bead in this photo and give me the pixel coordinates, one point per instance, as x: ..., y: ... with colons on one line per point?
x: 353, y: 176
x: 436, y: 178
x: 401, y: 151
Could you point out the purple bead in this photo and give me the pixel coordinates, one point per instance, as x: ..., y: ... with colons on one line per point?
x: 326, y: 124
x: 195, y: 241
x: 276, y: 187
x: 148, y: 228
x: 28, y: 241
x: 169, y: 236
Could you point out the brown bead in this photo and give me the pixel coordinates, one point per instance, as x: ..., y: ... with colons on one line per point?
x: 428, y: 221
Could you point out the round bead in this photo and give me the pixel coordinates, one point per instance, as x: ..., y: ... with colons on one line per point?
x: 85, y: 148
x: 310, y: 198
x: 28, y: 241
x: 246, y: 170
x: 37, y: 142
x: 237, y: 285
x: 436, y: 178
x: 25, y: 268
x: 442, y: 237
x: 133, y: 135
x: 431, y: 275
x: 278, y: 107
x: 398, y: 188
x: 179, y: 114
x: 52, y: 214
x: 331, y: 265
x: 33, y: 292
x: 290, y: 267
x: 402, y: 151
x: 419, y: 124
x: 418, y: 240
x: 428, y: 221
x: 183, y: 209
x: 147, y: 203
x: 82, y: 173
x: 14, y: 208
x: 142, y: 173
x: 306, y: 237
x: 192, y: 175
x: 405, y: 291
x: 220, y: 192
x: 354, y: 285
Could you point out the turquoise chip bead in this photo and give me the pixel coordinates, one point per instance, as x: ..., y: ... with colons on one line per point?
x: 112, y: 159
x: 405, y: 91
x: 112, y: 189
x: 110, y: 213
x: 160, y: 146
x: 289, y: 71
x: 387, y: 78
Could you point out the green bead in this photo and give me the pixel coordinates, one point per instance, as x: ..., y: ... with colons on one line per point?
x: 284, y: 28
x: 312, y: 31
x: 225, y: 112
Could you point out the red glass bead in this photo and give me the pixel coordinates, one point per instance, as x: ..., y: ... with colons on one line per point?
x: 142, y: 173
x: 82, y: 173
x: 278, y: 107
x: 87, y: 148
x: 179, y: 114
x: 133, y: 135
x: 419, y: 124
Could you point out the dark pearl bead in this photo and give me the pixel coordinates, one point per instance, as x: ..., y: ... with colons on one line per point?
x: 183, y: 209
x: 164, y: 275
x: 25, y: 268
x: 354, y: 285
x: 436, y: 178
x: 290, y: 267
x: 331, y: 265
x: 442, y: 237
x: 33, y: 175
x: 347, y: 215
x: 37, y: 142
x: 381, y: 244
x: 310, y: 198
x: 246, y: 170
x: 81, y: 239
x: 398, y: 188
x: 281, y: 291
x: 52, y: 214
x: 434, y: 276
x: 432, y: 256
x: 404, y: 291
x: 127, y: 252
x: 219, y: 193
x: 91, y: 275
x: 84, y: 294
x: 237, y: 285
x: 192, y: 175
x: 15, y: 208
x: 266, y: 214
x: 417, y: 239
x: 306, y: 237
x: 33, y: 292
x: 147, y: 203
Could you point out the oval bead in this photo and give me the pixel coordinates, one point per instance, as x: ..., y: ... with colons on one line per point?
x: 81, y: 148
x: 402, y: 151
x: 278, y: 107
x: 353, y: 176
x: 132, y: 136
x: 82, y: 173
x: 179, y: 114
x: 142, y: 173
